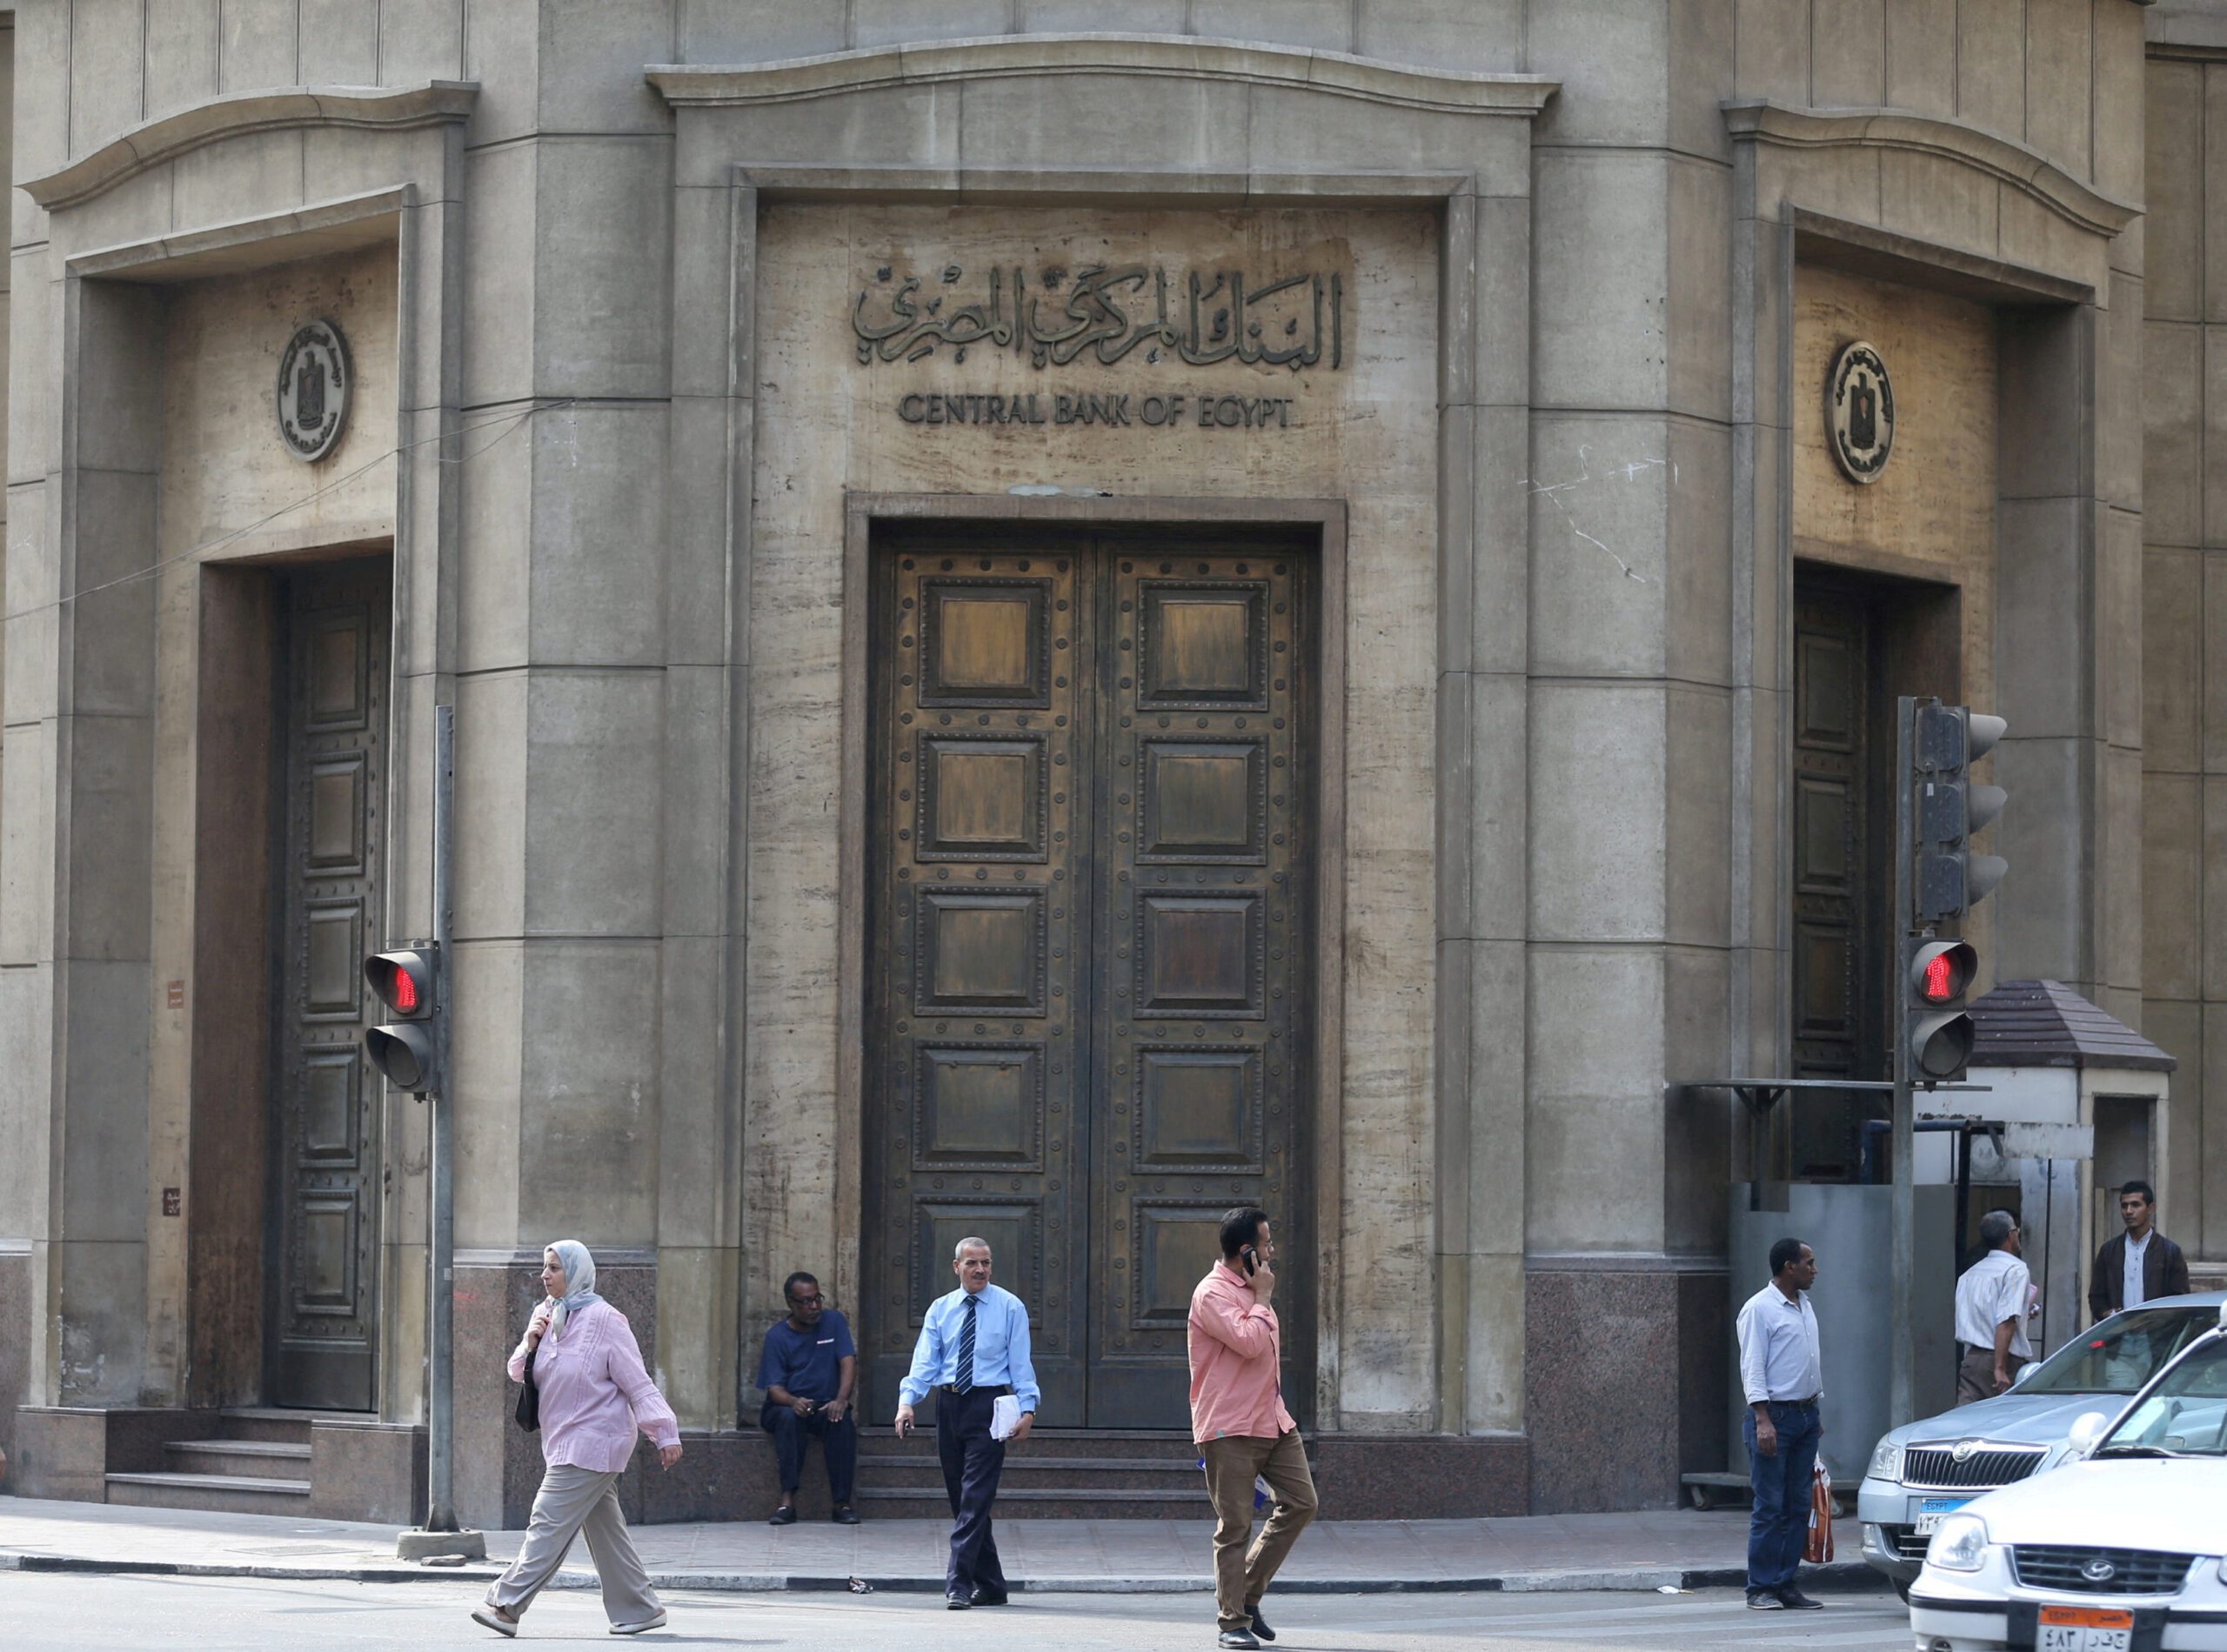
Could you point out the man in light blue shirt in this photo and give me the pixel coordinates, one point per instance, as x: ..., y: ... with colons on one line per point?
x: 1782, y: 1378
x: 974, y: 1348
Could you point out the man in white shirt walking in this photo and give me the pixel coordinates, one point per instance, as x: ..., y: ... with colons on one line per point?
x: 1993, y: 1298
x: 1781, y: 1375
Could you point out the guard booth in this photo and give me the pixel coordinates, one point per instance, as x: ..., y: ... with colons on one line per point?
x: 2081, y: 1097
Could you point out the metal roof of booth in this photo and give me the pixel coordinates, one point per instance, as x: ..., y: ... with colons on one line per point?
x: 2035, y: 1023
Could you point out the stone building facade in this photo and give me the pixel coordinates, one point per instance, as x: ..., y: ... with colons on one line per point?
x: 1050, y: 629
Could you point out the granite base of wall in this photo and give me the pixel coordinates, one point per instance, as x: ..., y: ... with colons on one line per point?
x: 497, y: 1463
x: 61, y: 1452
x: 18, y: 1323
x: 1624, y: 1375
x: 68, y: 1452
x: 373, y: 1471
x: 1422, y: 1477
x: 727, y: 1475
x: 1706, y: 1372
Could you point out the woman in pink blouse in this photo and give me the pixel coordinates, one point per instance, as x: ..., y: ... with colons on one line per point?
x: 594, y: 1396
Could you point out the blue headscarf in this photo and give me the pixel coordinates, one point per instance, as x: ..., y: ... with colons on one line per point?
x: 579, y: 1281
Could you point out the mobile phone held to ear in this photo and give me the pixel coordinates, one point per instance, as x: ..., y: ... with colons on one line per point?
x: 1251, y: 1260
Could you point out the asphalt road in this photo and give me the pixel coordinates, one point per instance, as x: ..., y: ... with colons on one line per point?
x: 41, y: 1611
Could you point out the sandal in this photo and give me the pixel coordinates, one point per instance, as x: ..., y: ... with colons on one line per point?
x: 496, y: 1619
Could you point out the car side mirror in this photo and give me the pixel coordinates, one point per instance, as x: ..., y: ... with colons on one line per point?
x: 2087, y: 1429
x: 2023, y: 1372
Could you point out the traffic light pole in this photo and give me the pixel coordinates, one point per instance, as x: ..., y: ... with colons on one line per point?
x: 440, y: 1535
x: 440, y: 1409
x: 1901, y: 1338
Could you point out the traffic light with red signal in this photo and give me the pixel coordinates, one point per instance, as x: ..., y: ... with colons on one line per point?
x: 407, y: 1050
x: 1946, y: 807
x: 1940, y: 1033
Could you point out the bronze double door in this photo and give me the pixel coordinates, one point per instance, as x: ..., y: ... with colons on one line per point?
x: 1091, y: 874
x: 323, y: 1280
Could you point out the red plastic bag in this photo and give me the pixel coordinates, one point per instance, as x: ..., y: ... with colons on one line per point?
x: 1818, y: 1548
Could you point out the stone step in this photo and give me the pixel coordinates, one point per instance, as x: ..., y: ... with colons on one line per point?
x: 1080, y: 1476
x: 221, y: 1494
x: 1050, y: 1502
x: 244, y: 1459
x: 1171, y: 1445
x: 265, y: 1422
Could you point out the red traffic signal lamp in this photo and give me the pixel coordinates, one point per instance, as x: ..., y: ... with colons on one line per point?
x: 1940, y: 1032
x: 407, y: 1050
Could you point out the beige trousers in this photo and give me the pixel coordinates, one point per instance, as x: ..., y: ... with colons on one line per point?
x: 1242, y: 1575
x: 577, y: 1502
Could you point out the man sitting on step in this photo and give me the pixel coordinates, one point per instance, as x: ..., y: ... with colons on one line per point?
x: 809, y: 1370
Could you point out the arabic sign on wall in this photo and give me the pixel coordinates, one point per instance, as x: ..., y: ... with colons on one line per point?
x: 1103, y: 314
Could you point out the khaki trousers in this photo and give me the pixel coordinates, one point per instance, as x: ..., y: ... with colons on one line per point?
x: 1976, y: 1374
x: 1242, y: 1575
x: 577, y: 1502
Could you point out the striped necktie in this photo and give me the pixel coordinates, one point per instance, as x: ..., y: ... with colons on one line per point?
x: 965, y: 1379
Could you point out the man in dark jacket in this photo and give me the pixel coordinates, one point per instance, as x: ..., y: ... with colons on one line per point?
x: 2139, y: 1265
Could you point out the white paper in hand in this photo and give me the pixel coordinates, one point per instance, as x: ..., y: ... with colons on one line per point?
x: 1004, y: 1416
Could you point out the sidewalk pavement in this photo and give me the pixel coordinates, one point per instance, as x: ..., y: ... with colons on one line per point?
x: 1652, y: 1550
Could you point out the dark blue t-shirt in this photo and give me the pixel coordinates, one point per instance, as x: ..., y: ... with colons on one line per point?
x: 803, y: 1362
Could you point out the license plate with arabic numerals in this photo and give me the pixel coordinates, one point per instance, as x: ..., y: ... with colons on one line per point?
x: 2083, y: 1628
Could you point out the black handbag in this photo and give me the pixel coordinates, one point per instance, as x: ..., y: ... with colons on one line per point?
x: 529, y: 1411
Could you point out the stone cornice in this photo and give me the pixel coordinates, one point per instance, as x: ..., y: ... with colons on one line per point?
x: 1760, y: 120
x: 1182, y: 57
x: 150, y: 144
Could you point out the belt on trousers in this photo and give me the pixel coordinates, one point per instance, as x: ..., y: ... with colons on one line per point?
x: 1812, y: 1399
x: 979, y: 1388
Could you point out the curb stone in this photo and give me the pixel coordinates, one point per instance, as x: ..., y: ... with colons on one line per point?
x: 1839, y: 1577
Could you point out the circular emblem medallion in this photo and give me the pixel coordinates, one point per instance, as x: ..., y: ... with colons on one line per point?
x: 1964, y: 1450
x: 314, y: 380
x: 2099, y: 1570
x: 1859, y: 412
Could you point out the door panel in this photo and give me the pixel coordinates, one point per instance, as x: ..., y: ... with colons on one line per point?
x: 326, y: 1165
x: 1830, y: 691
x: 1841, y: 885
x: 1201, y: 968
x: 977, y: 932
x: 1089, y: 878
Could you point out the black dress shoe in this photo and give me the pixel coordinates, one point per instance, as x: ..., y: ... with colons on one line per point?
x: 1795, y: 1601
x: 784, y: 1516
x: 845, y: 1514
x: 1261, y: 1625
x: 956, y: 1603
x: 987, y: 1596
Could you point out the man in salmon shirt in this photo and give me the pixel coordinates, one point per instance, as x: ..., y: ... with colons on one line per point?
x: 1241, y: 1425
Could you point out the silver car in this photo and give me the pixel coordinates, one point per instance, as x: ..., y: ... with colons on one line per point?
x: 1924, y: 1471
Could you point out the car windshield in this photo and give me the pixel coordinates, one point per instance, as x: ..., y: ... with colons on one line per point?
x: 2185, y: 1415
x: 2122, y: 1354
